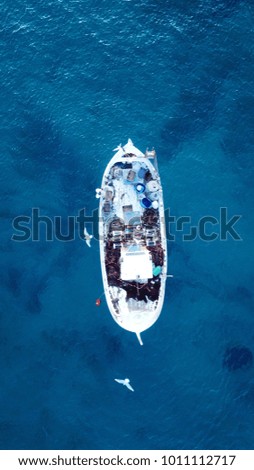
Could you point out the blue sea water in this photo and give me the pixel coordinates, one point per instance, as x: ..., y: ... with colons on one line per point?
x: 77, y: 78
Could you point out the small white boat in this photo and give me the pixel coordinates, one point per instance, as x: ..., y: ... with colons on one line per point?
x: 132, y: 234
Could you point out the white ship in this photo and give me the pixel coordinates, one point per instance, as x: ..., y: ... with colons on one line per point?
x: 133, y: 248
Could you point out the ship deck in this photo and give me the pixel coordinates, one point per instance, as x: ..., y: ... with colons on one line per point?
x: 133, y: 250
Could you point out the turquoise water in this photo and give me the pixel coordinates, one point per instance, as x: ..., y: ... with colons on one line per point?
x: 78, y: 78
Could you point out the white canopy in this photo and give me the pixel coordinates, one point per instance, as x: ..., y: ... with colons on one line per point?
x: 136, y: 264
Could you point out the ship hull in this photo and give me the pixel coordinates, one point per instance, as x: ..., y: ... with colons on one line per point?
x: 132, y: 239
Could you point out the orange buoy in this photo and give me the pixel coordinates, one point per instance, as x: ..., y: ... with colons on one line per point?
x: 98, y: 302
